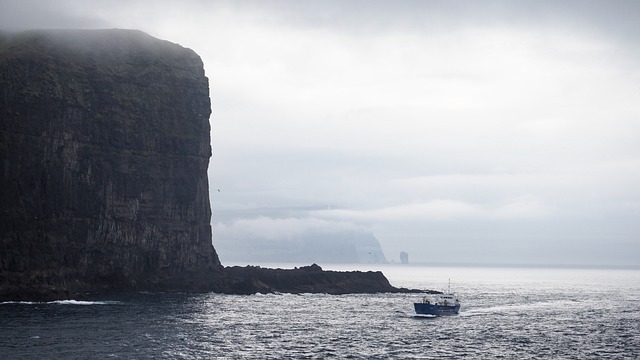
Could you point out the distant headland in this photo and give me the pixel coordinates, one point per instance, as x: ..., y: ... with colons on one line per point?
x: 105, y: 144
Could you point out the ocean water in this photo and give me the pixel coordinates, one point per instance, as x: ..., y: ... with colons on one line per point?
x: 508, y: 313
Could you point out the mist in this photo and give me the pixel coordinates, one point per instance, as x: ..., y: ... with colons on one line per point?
x: 503, y: 132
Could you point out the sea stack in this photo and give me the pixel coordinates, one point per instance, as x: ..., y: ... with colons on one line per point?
x: 104, y: 149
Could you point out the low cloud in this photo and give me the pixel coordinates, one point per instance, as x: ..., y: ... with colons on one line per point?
x: 522, y: 207
x: 263, y: 227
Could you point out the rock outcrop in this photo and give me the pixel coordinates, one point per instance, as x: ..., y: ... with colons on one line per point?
x: 306, y: 279
x: 104, y: 149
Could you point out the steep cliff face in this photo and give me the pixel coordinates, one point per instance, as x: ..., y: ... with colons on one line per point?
x: 104, y: 149
x: 313, y: 245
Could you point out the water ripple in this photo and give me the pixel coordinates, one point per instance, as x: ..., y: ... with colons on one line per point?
x: 518, y: 320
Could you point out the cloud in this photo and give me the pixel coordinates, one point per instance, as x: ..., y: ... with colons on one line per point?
x: 433, y: 210
x: 522, y: 207
x: 264, y: 227
x: 500, y: 118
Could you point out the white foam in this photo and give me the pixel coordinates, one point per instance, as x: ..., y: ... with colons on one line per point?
x: 76, y: 302
x: 63, y: 302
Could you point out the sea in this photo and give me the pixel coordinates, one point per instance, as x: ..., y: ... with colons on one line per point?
x: 507, y: 313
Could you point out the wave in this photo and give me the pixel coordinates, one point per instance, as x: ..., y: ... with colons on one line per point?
x: 79, y: 302
x: 63, y: 302
x: 509, y: 308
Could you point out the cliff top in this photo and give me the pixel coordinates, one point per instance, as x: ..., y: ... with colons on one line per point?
x: 102, y: 41
x: 104, y: 46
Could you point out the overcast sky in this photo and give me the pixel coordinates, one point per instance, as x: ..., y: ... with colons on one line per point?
x: 458, y: 131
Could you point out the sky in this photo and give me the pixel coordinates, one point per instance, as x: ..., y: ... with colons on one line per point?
x: 480, y: 132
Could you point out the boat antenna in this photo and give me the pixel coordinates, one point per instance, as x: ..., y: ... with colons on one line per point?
x: 449, y: 285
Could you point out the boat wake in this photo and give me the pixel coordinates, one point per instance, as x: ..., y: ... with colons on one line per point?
x: 412, y: 315
x: 515, y: 308
x: 424, y: 316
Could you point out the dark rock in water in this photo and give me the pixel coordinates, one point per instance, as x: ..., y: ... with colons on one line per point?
x: 307, y: 279
x: 104, y: 149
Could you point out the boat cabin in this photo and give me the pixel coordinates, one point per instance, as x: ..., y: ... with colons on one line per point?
x: 442, y: 299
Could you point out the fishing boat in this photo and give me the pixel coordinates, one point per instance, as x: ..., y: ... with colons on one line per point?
x: 441, y: 304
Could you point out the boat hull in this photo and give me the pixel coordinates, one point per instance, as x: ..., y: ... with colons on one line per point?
x: 433, y: 309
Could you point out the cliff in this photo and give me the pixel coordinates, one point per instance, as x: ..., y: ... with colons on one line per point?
x: 104, y: 149
x: 304, y: 247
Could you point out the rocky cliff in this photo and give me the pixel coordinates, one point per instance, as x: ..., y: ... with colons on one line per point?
x: 104, y: 149
x: 304, y: 247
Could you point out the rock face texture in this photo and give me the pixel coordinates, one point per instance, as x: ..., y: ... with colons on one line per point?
x: 104, y: 149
